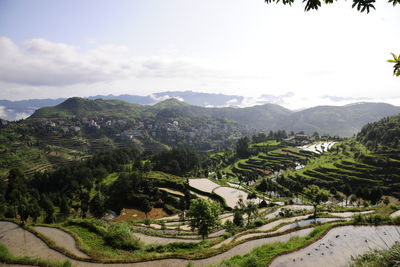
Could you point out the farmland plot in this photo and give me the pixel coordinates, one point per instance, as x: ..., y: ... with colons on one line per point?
x: 203, y: 185
x: 318, y: 148
x: 232, y: 196
x: 341, y: 244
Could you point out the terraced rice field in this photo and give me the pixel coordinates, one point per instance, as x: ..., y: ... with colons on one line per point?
x: 232, y: 196
x: 291, y: 207
x: 318, y: 148
x: 277, y: 159
x: 21, y: 242
x: 61, y: 239
x: 335, y: 249
x: 339, y: 245
x: 203, y: 185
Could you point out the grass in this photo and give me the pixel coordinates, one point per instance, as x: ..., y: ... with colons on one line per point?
x: 6, y: 257
x: 94, y: 244
x: 263, y: 255
x: 110, y: 179
x: 379, y: 258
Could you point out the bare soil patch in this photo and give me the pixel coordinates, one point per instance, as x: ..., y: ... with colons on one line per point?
x: 134, y: 214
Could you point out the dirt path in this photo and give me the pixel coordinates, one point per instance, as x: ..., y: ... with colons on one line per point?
x: 339, y: 245
x: 62, y: 239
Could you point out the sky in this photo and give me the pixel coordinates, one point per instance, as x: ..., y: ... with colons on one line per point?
x: 336, y: 55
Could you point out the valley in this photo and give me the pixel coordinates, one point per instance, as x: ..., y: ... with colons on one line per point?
x: 241, y: 202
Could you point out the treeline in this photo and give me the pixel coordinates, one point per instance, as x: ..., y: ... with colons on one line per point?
x: 383, y: 134
x: 78, y: 187
x: 272, y: 135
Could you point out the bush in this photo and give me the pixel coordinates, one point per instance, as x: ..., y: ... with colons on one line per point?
x: 120, y: 236
x: 230, y: 227
x: 94, y: 225
x: 396, y: 220
x: 359, y: 219
x: 377, y: 219
x: 173, y: 247
x: 286, y: 212
x: 259, y: 222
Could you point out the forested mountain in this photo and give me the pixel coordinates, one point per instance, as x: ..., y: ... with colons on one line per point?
x: 331, y: 120
x: 382, y: 135
x: 338, y: 120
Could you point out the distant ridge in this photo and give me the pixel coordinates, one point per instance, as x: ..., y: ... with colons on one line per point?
x: 333, y: 120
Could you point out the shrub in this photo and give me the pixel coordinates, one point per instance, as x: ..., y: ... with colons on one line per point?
x: 396, y: 220
x: 230, y: 227
x: 377, y: 219
x: 94, y: 225
x: 259, y: 222
x: 286, y: 212
x: 120, y: 236
x: 173, y: 247
x: 359, y: 219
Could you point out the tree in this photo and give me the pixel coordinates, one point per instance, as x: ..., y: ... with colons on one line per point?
x: 251, y: 210
x: 48, y: 208
x: 347, y: 191
x: 146, y: 206
x: 203, y: 215
x: 96, y: 205
x: 242, y: 147
x: 34, y: 210
x: 316, y: 195
x: 238, y: 217
x: 64, y: 208
x: 362, y: 5
x: 376, y: 195
x: 396, y: 62
x: 263, y: 186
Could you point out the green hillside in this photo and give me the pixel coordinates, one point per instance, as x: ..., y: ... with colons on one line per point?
x: 382, y: 135
x: 349, y: 163
x: 338, y: 120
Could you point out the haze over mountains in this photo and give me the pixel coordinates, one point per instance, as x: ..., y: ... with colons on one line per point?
x: 14, y: 110
x: 333, y: 120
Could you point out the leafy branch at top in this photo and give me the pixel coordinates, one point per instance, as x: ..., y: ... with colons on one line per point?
x: 361, y: 5
x: 396, y: 61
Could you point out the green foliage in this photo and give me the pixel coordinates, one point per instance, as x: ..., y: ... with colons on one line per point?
x: 97, y: 205
x: 203, y: 215
x: 396, y: 58
x: 263, y: 255
x: 382, y: 135
x: 119, y: 235
x: 379, y: 258
x: 176, y: 247
x: 316, y: 196
x: 375, y: 219
x: 242, y: 147
x: 361, y: 5
x: 178, y: 161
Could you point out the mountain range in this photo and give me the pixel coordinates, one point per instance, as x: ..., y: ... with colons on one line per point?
x: 14, y: 110
x: 333, y: 120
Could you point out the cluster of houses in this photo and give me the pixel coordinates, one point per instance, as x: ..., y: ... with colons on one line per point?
x: 171, y: 132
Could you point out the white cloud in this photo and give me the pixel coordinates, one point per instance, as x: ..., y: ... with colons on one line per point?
x: 3, y: 112
x: 165, y: 97
x: 45, y: 63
